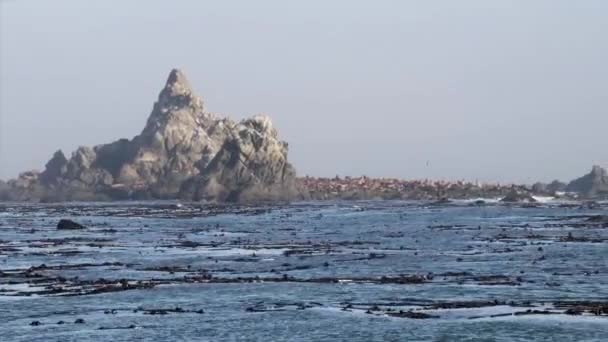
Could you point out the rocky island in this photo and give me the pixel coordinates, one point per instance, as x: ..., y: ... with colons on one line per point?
x: 183, y: 152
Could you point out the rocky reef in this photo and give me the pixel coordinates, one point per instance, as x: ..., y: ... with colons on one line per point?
x: 183, y: 152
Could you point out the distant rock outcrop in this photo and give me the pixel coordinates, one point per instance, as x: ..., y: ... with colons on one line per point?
x: 515, y: 196
x: 182, y: 152
x: 550, y: 189
x: 593, y: 184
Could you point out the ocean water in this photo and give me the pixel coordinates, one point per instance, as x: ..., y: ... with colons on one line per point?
x: 317, y: 271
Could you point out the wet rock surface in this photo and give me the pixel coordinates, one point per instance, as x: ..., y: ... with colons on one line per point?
x: 362, y: 270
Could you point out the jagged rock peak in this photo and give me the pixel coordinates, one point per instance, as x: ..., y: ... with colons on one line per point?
x: 55, y: 167
x: 58, y: 157
x: 177, y: 83
x: 178, y: 93
x: 176, y: 104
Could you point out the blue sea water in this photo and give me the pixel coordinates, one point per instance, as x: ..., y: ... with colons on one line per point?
x: 302, y: 272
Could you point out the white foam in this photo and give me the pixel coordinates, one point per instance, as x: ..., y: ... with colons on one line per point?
x: 544, y: 199
x: 473, y: 200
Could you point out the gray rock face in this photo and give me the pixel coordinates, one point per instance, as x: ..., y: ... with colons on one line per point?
x: 556, y: 186
x: 548, y: 189
x: 593, y: 184
x: 182, y: 152
x: 54, y: 168
x: 251, y: 164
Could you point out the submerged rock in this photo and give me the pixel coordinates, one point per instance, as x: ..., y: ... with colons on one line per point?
x: 182, y: 152
x: 65, y: 224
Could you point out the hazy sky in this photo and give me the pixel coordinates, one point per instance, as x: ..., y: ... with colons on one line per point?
x: 491, y: 90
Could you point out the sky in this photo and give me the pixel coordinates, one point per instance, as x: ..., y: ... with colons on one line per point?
x: 508, y: 91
